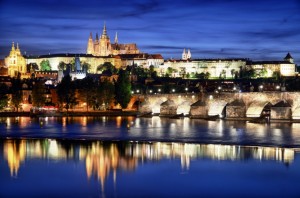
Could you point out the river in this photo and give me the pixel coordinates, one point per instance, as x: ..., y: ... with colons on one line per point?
x: 147, y: 157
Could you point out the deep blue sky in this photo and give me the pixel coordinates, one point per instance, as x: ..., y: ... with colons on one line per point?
x: 257, y: 29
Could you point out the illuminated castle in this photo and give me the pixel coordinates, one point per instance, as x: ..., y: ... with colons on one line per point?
x: 103, y: 46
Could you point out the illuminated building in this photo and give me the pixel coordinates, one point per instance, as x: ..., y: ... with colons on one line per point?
x: 15, y: 62
x: 103, y: 46
x: 186, y: 55
x: 226, y: 68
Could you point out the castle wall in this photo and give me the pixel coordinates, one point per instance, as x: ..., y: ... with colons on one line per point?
x: 214, y: 67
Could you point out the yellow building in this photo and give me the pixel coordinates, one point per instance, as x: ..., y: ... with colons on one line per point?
x: 15, y: 62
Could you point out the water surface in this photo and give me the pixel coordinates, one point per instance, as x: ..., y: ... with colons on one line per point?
x: 147, y: 157
x: 153, y: 129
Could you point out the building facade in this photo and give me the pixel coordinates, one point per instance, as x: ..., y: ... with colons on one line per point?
x: 103, y: 47
x: 15, y: 62
x: 225, y: 68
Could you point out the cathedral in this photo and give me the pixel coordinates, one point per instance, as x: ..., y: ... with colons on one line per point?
x: 15, y: 62
x: 103, y: 47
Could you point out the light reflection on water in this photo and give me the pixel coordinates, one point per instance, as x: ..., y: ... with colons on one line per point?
x: 109, y: 162
x: 125, y: 155
x: 153, y: 129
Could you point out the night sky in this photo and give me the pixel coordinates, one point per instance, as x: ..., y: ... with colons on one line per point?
x: 257, y: 29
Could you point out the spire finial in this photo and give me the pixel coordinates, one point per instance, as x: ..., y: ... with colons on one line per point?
x: 13, y: 46
x: 17, y: 46
x: 91, y: 36
x: 104, y: 29
x: 116, y: 38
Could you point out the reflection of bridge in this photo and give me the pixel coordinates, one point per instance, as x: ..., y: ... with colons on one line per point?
x: 278, y: 105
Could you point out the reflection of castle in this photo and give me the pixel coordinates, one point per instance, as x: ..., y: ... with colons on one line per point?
x: 100, y: 160
x: 103, y: 46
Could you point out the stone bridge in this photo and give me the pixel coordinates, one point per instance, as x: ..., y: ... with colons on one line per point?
x: 277, y: 105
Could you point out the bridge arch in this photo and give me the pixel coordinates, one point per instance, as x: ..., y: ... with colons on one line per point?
x: 184, y: 108
x: 257, y: 108
x: 217, y: 108
x: 296, y: 113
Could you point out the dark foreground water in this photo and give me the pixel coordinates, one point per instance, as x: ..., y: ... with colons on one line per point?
x: 80, y: 157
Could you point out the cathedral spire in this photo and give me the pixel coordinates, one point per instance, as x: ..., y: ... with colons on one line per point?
x: 104, y: 29
x: 116, y: 38
x: 13, y: 46
x: 189, y: 55
x: 184, y: 55
x: 18, y: 49
x: 90, y: 45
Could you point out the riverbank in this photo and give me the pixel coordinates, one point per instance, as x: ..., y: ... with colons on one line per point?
x: 72, y: 113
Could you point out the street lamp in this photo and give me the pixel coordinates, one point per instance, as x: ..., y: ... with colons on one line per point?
x: 159, y: 90
x: 173, y: 90
x: 138, y: 91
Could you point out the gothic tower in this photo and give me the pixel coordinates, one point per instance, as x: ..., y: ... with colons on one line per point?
x: 90, y: 45
x: 104, y: 43
x: 189, y: 55
x: 96, y: 46
x: 116, y: 38
x: 184, y: 55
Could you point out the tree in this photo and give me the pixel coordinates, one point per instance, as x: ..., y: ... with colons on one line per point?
x: 106, y: 92
x: 16, y: 91
x: 201, y: 75
x: 169, y: 71
x: 263, y: 73
x: 107, y: 67
x: 123, y: 89
x: 61, y: 65
x: 232, y: 72
x: 87, y: 91
x: 207, y: 75
x: 3, y: 96
x: 45, y: 65
x: 38, y: 91
x: 152, y: 72
x: 66, y: 93
x: 86, y: 66
x: 139, y: 72
x: 222, y: 74
x: 276, y: 75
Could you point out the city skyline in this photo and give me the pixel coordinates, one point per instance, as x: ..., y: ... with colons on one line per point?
x: 211, y: 29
